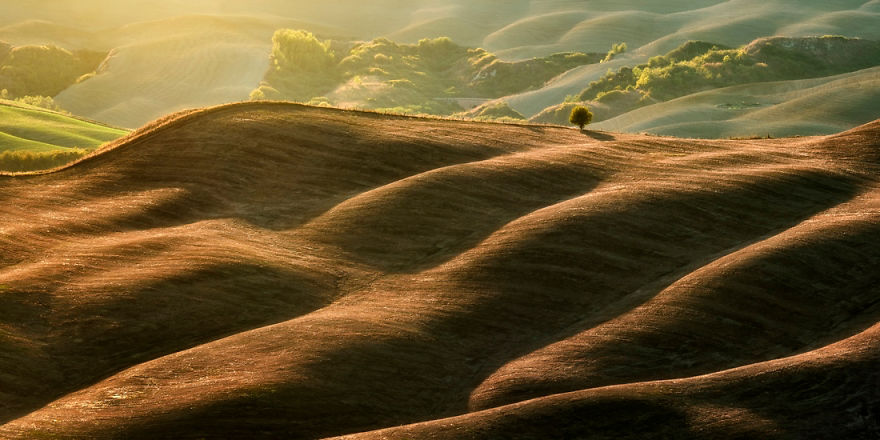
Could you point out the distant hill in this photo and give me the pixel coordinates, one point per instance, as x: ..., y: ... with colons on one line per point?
x: 43, y: 70
x: 174, y: 55
x: 270, y: 270
x: 160, y: 67
x: 699, y: 66
x: 34, y: 138
x: 783, y: 108
x: 428, y: 77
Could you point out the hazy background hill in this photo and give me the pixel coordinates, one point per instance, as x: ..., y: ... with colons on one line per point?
x: 785, y: 108
x: 167, y: 55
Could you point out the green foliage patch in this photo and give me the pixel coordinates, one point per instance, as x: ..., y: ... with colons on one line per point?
x: 45, y: 102
x: 616, y: 49
x: 19, y: 161
x: 302, y: 67
x: 494, y: 111
x: 43, y: 70
x: 409, y: 78
x: 698, y: 65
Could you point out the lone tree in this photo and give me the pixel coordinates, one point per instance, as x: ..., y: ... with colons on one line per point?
x: 580, y: 116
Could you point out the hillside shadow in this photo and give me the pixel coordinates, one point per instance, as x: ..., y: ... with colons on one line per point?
x: 281, y: 409
x: 421, y: 225
x: 598, y: 135
x: 164, y: 317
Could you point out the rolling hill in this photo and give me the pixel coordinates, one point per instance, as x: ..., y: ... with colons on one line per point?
x: 784, y: 108
x: 160, y: 67
x: 269, y: 270
x: 27, y: 128
x: 34, y: 138
x: 174, y: 55
x: 775, y: 86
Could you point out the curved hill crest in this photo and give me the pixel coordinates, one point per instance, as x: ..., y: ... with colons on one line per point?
x: 173, y: 56
x: 264, y: 269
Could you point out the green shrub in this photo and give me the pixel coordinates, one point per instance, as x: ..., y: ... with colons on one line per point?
x: 616, y: 49
x: 301, y: 67
x: 45, y: 102
x: 699, y: 65
x: 620, y: 80
x: 44, y: 70
x: 580, y: 116
x: 495, y: 111
x: 17, y: 161
x: 300, y: 51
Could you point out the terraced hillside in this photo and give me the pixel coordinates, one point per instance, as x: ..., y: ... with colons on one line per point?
x: 273, y: 270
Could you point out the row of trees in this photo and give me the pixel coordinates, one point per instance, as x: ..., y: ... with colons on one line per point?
x: 18, y: 161
x: 45, y: 102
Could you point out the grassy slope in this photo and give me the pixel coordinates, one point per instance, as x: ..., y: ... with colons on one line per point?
x: 24, y: 128
x: 773, y: 99
x: 271, y: 270
x: 805, y: 107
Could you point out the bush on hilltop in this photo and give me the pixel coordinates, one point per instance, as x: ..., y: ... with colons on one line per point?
x: 580, y: 116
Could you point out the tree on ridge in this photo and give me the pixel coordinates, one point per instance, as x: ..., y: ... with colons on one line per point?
x: 580, y: 116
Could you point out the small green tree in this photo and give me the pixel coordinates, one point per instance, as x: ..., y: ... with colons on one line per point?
x: 616, y: 49
x: 300, y: 51
x: 580, y: 116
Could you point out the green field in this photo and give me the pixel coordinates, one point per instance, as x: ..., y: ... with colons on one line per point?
x: 32, y: 129
x: 32, y: 138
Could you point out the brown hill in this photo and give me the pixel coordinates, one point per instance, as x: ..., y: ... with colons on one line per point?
x: 273, y: 270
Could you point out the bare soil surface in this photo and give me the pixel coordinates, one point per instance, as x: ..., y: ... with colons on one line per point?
x: 271, y: 270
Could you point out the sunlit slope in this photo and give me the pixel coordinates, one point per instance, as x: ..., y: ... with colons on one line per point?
x: 24, y: 128
x: 187, y: 62
x: 521, y: 27
x: 797, y: 397
x: 210, y: 64
x: 363, y: 18
x: 805, y: 107
x: 648, y: 33
x: 39, y: 32
x: 273, y: 270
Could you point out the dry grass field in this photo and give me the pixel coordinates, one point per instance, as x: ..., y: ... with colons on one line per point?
x: 271, y: 270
